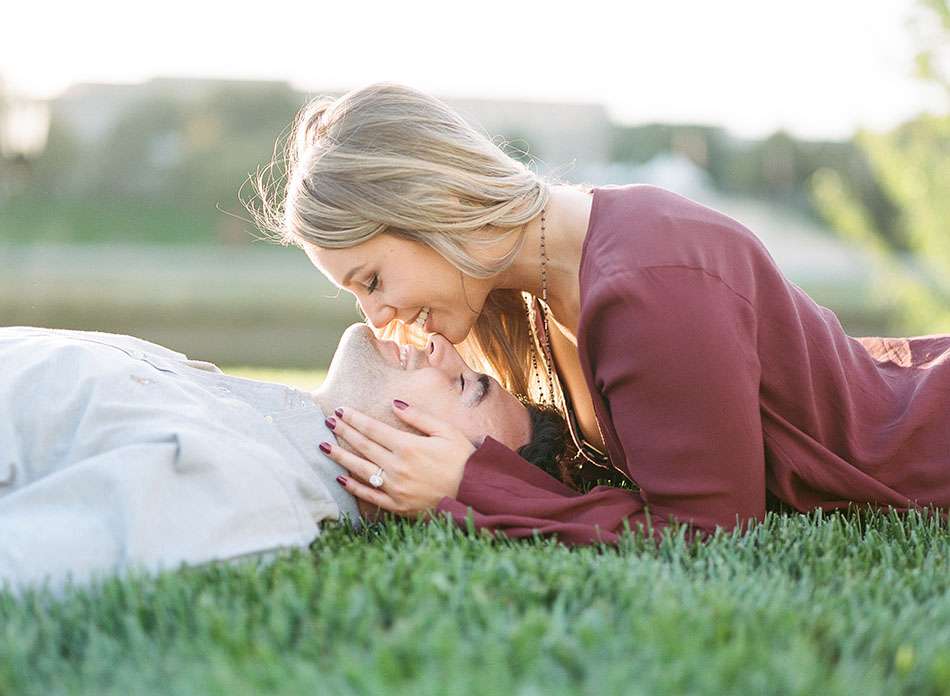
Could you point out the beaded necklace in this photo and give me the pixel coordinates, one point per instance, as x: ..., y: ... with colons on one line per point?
x: 585, y: 451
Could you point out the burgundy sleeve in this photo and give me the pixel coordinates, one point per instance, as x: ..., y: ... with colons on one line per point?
x: 673, y: 351
x: 505, y: 492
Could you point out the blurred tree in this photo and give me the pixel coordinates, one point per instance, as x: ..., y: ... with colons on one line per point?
x: 168, y: 169
x: 194, y: 151
x: 57, y: 171
x: 933, y: 59
x: 140, y: 154
x: 3, y: 115
x: 912, y: 164
x: 774, y: 169
x: 228, y: 133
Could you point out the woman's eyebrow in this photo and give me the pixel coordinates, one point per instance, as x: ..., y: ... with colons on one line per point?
x: 349, y: 276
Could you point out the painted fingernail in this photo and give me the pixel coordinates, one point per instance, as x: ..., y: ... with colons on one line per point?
x: 339, y: 413
x: 331, y: 422
x: 325, y: 447
x: 400, y: 404
x: 341, y: 480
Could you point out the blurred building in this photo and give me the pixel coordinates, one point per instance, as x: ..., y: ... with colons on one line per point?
x: 89, y: 110
x: 549, y: 132
x: 556, y: 134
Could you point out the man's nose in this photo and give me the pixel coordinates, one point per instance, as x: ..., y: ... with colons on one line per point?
x: 441, y: 352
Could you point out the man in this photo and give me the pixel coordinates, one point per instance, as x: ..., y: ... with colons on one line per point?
x: 116, y: 452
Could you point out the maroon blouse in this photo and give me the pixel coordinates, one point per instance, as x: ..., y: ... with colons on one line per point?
x: 718, y: 382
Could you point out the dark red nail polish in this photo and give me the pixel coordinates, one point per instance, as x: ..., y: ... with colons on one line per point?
x: 341, y: 480
x: 331, y: 422
x: 339, y: 413
x: 325, y: 447
x: 400, y: 404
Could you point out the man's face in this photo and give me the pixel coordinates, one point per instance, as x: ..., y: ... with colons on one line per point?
x: 367, y: 374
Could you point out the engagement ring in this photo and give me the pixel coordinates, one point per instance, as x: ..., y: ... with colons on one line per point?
x: 377, y: 478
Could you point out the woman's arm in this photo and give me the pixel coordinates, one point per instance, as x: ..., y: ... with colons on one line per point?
x: 673, y: 352
x: 503, y: 491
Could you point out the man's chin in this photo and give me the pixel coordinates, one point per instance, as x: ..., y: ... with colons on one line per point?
x: 358, y: 330
x: 356, y: 360
x: 356, y: 338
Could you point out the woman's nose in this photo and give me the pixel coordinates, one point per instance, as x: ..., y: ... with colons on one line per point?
x: 379, y: 315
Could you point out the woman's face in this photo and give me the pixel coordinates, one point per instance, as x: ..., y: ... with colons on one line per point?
x: 396, y: 278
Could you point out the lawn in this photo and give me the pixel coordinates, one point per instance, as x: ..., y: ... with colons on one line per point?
x: 801, y: 604
x: 302, y: 379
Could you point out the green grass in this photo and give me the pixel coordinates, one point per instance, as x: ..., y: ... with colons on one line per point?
x: 801, y: 604
x: 301, y: 379
x: 102, y: 219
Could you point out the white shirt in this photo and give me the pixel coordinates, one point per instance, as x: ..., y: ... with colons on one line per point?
x: 117, y: 453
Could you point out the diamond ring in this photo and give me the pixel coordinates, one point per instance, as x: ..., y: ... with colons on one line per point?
x: 377, y: 478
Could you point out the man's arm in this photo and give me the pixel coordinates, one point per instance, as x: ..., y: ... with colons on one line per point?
x: 150, y: 505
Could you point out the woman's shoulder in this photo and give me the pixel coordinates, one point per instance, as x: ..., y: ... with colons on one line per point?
x: 638, y: 226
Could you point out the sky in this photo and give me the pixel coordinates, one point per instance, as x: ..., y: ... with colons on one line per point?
x: 818, y: 69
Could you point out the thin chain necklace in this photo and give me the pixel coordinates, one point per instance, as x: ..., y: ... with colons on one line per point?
x: 585, y: 450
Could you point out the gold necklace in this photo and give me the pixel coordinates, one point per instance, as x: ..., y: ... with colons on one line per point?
x: 585, y: 450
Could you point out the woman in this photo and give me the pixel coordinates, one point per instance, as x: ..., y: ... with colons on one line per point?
x: 667, y: 334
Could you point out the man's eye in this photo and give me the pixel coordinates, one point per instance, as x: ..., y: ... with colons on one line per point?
x: 462, y: 379
x: 374, y: 283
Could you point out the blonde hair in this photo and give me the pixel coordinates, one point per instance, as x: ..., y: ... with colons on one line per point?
x: 389, y: 158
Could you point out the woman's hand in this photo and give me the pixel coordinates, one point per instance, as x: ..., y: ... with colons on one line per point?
x: 419, y: 470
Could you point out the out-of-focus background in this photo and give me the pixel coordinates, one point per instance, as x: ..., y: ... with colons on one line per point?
x: 125, y: 141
